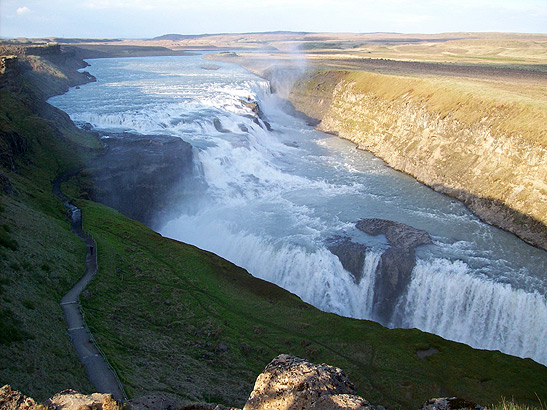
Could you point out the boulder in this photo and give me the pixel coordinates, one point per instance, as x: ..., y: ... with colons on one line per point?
x: 399, y: 235
x: 13, y: 400
x: 72, y: 400
x: 219, y: 127
x: 291, y: 383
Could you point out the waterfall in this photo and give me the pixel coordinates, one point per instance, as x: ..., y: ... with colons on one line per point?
x: 445, y: 299
x: 273, y: 198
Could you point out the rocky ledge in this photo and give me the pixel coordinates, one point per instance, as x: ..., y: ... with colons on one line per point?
x: 287, y: 383
x: 140, y: 175
x: 394, y: 270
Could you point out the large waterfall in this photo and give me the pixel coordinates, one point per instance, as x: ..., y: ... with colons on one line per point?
x: 274, y: 191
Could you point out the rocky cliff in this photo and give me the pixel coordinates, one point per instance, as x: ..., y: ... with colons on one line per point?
x: 394, y: 272
x: 489, y: 155
x: 141, y: 176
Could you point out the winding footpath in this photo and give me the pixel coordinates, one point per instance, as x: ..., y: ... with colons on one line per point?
x: 100, y: 373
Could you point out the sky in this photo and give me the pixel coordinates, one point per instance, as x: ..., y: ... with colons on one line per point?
x: 150, y: 18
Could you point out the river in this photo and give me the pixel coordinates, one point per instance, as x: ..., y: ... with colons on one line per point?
x: 269, y: 200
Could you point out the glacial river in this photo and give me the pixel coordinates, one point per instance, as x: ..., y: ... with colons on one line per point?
x: 269, y: 200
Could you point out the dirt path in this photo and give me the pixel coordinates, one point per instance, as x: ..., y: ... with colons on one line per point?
x: 101, y: 374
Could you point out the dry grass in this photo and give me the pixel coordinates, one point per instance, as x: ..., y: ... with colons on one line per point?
x: 511, y: 405
x: 462, y: 101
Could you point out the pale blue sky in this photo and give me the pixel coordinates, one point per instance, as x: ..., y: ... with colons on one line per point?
x: 149, y: 18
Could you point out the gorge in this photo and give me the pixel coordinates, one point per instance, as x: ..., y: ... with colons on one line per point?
x: 270, y: 188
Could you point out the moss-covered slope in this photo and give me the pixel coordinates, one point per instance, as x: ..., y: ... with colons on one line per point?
x: 39, y: 256
x: 179, y: 320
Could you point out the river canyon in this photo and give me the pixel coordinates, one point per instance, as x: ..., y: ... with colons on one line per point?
x: 272, y: 194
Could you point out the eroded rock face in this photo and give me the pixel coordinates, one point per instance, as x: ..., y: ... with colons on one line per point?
x: 138, y: 174
x: 394, y: 271
x: 351, y: 254
x: 291, y: 383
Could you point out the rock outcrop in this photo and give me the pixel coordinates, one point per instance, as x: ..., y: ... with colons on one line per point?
x: 394, y: 271
x: 478, y: 156
x: 141, y: 176
x: 450, y: 403
x: 399, y: 235
x: 72, y: 400
x: 351, y: 255
x: 291, y: 383
x: 258, y: 114
x: 13, y: 400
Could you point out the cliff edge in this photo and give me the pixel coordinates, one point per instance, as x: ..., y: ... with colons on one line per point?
x: 488, y: 154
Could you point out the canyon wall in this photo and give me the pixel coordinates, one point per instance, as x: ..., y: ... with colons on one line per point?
x: 486, y: 154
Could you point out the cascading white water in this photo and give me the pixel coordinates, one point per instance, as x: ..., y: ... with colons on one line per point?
x: 274, y: 198
x: 443, y: 298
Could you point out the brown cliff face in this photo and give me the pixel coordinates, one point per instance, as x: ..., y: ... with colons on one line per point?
x: 482, y: 159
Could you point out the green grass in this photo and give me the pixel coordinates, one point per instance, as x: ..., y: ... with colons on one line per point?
x: 36, y: 355
x: 505, y: 404
x: 40, y: 259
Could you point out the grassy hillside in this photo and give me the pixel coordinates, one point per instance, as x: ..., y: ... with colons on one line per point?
x: 39, y: 256
x: 176, y: 320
